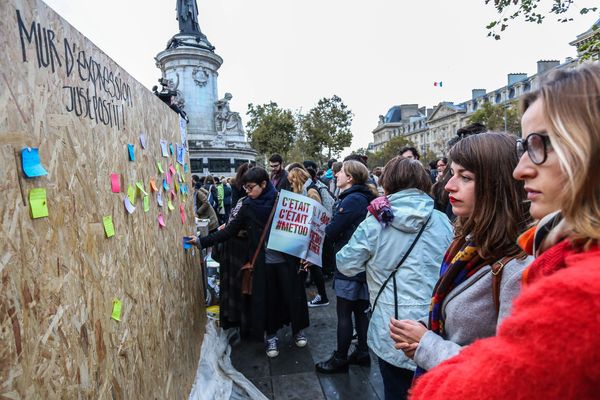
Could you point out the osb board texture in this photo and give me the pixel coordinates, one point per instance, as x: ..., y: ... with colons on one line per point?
x: 60, y: 274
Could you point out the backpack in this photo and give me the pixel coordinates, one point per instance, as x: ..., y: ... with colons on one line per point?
x: 327, y: 199
x: 211, y: 199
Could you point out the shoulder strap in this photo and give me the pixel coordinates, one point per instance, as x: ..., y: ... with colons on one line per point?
x: 264, y: 232
x: 497, y: 269
x: 404, y: 257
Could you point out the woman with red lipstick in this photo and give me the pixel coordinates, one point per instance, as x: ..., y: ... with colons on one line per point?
x: 481, y: 271
x: 549, y: 347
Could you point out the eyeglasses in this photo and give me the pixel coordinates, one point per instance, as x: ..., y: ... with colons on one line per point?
x: 536, y: 145
x: 249, y: 188
x: 274, y: 166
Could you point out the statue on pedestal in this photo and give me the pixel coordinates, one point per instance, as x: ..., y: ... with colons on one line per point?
x: 226, y: 120
x: 187, y: 15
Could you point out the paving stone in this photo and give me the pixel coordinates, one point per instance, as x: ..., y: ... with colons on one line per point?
x: 297, y: 387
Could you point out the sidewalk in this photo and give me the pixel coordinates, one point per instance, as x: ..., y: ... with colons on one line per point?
x: 292, y: 374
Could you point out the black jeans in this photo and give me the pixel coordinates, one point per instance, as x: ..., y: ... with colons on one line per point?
x: 396, y: 380
x: 345, y: 309
x: 316, y: 275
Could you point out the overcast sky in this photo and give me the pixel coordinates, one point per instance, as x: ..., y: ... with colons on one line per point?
x: 373, y: 54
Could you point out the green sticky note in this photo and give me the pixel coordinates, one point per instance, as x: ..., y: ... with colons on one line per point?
x: 177, y: 168
x: 160, y: 168
x: 38, y: 203
x: 170, y: 205
x: 131, y: 194
x: 109, y: 228
x: 116, y: 313
x: 146, y: 203
x: 140, y: 185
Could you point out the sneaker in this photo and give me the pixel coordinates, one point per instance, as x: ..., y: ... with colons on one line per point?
x: 317, y: 301
x: 334, y: 365
x: 355, y: 338
x: 272, y: 347
x: 300, y: 339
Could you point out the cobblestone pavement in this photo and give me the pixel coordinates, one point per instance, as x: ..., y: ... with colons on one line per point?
x: 292, y: 374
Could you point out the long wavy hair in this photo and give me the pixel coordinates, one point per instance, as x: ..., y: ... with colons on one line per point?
x: 297, y: 178
x: 500, y: 213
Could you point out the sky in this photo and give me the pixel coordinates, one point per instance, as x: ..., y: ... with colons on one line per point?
x: 373, y: 54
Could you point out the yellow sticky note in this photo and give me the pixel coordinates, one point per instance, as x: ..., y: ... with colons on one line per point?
x: 177, y: 168
x: 116, y: 313
x: 131, y: 194
x: 176, y: 188
x: 140, y: 185
x: 183, y: 177
x: 170, y: 205
x: 159, y: 166
x: 109, y: 228
x: 38, y: 203
x: 146, y: 203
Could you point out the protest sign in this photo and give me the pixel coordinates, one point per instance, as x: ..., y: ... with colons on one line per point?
x: 298, y: 227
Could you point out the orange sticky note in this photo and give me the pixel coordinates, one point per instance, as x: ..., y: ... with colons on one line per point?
x: 153, y: 185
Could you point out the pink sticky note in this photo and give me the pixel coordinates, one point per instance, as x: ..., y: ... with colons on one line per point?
x: 172, y: 192
x: 161, y: 220
x: 169, y: 179
x: 182, y: 213
x: 115, y: 180
x: 171, y: 169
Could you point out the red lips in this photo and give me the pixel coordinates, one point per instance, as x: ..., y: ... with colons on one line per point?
x: 453, y: 200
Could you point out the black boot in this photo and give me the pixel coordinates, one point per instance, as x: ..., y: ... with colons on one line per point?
x: 335, y: 365
x: 361, y: 358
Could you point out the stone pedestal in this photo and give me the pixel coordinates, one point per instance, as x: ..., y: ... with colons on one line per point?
x: 191, y: 64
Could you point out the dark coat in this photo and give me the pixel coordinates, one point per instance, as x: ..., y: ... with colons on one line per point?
x: 282, y: 181
x: 227, y: 193
x: 348, y: 213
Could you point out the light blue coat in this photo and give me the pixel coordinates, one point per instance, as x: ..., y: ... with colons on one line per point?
x: 378, y: 250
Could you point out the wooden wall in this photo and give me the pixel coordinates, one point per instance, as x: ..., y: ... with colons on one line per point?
x: 60, y: 274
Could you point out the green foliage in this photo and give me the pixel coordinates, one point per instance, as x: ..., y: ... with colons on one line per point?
x: 529, y: 11
x: 493, y: 117
x: 389, y: 151
x: 271, y: 129
x: 326, y: 127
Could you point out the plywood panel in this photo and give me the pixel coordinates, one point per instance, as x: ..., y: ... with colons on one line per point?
x: 60, y: 274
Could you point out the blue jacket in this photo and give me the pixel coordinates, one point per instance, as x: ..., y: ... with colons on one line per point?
x: 378, y: 250
x: 348, y: 213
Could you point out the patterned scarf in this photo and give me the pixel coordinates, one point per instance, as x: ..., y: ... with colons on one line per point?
x: 381, y: 209
x: 461, y: 261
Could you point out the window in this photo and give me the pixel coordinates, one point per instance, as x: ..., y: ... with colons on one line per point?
x: 196, y: 166
x: 219, y: 165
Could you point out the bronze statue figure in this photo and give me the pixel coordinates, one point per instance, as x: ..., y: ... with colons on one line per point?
x: 187, y: 15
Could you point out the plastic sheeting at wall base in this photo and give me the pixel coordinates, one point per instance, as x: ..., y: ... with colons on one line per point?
x: 216, y: 378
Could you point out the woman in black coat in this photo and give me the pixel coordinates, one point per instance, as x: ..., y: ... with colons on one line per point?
x: 278, y: 295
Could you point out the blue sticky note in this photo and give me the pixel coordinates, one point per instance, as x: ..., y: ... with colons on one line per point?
x: 185, y: 167
x: 165, y: 186
x: 171, y: 148
x: 30, y: 161
x: 131, y: 154
x: 186, y: 245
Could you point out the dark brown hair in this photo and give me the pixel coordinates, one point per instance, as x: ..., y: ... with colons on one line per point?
x: 242, y: 169
x: 403, y: 173
x: 500, y: 213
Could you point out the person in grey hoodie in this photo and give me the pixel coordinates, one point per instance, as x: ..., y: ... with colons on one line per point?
x: 400, y: 246
x: 482, y: 269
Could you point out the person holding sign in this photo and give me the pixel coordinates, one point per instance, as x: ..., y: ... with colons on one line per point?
x: 278, y: 296
x: 400, y: 246
x: 351, y: 291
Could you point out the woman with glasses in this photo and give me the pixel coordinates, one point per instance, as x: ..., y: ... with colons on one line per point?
x: 278, y: 295
x: 481, y: 271
x: 548, y: 348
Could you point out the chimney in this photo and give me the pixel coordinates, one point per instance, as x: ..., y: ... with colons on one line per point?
x: 477, y: 93
x: 544, y: 66
x: 429, y: 112
x: 516, y: 77
x: 409, y: 110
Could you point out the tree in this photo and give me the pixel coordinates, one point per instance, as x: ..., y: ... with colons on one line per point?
x: 493, y: 117
x: 327, y: 127
x: 393, y: 146
x: 271, y: 129
x: 528, y: 10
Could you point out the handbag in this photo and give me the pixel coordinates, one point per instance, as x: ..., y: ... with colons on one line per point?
x: 247, y: 269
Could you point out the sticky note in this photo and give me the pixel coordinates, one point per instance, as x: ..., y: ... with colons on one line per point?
x: 159, y: 166
x: 180, y: 154
x: 186, y: 245
x: 171, y: 148
x: 172, y: 170
x: 172, y: 193
x: 30, y: 161
x: 163, y: 148
x: 153, y: 185
x: 115, y: 183
x: 183, y: 189
x: 116, y: 312
x: 185, y: 167
x: 109, y: 228
x: 128, y: 206
x: 131, y: 154
x: 38, y: 203
x: 182, y: 213
x: 131, y: 194
x: 170, y: 205
x: 169, y: 179
x: 159, y: 199
x: 161, y: 220
x: 165, y: 185
x: 140, y: 186
x: 146, y: 203
x: 176, y: 187
x: 143, y: 140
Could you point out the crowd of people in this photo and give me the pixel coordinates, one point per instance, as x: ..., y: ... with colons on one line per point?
x: 478, y: 277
